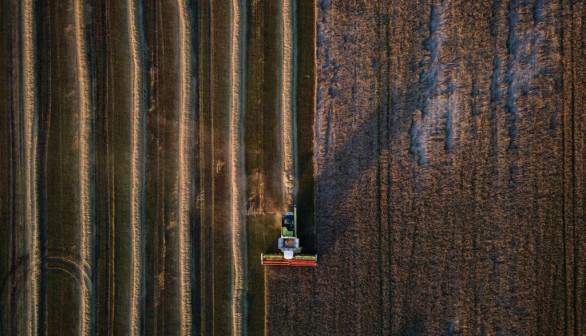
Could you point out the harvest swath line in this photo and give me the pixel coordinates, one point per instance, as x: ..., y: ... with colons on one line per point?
x: 287, y: 104
x: 185, y: 169
x: 31, y: 130
x: 84, y: 166
x: 136, y: 171
x: 236, y: 171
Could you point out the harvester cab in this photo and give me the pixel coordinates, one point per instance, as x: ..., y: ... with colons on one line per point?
x: 288, y: 243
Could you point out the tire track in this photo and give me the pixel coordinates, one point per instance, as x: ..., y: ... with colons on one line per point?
x: 76, y: 270
x: 86, y: 199
x: 287, y: 102
x: 137, y: 106
x: 185, y: 169
x: 30, y: 128
x: 238, y: 208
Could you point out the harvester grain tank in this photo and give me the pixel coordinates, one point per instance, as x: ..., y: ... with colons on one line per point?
x: 288, y: 243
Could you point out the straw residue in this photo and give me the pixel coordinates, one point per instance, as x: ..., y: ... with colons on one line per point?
x: 185, y: 168
x: 287, y: 102
x: 236, y: 171
x: 31, y: 130
x: 136, y: 169
x: 85, y: 120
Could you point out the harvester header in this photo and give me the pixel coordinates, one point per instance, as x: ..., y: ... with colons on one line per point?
x: 288, y: 243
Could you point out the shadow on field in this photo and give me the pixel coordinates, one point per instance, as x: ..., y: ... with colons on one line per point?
x: 414, y: 326
x: 344, y: 169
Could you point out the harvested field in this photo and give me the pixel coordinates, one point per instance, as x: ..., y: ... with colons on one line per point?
x: 434, y: 149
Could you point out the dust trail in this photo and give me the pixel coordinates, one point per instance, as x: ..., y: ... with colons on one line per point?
x: 85, y: 120
x: 30, y: 151
x: 136, y: 168
x: 238, y: 208
x: 185, y: 168
x: 287, y: 101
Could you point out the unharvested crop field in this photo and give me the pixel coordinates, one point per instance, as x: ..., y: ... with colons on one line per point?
x: 434, y: 149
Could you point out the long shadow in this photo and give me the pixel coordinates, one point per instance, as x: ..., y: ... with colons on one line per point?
x: 401, y: 109
x: 344, y: 168
x: 413, y: 326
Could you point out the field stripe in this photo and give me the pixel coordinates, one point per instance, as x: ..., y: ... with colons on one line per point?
x: 31, y: 130
x: 136, y: 170
x: 185, y: 168
x: 287, y: 102
x: 236, y: 171
x: 85, y: 119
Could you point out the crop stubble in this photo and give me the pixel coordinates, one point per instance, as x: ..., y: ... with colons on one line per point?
x: 447, y: 193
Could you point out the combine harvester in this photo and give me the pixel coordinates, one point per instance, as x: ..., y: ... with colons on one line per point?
x: 289, y: 245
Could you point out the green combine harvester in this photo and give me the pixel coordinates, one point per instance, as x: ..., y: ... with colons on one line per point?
x: 289, y: 245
